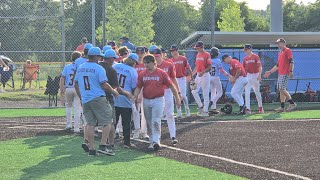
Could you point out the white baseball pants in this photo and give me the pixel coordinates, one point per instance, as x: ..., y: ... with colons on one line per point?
x: 182, y: 82
x: 153, y: 110
x: 203, y: 83
x: 216, y: 91
x: 169, y: 112
x: 237, y: 90
x: 73, y: 100
x: 137, y: 118
x: 255, y: 85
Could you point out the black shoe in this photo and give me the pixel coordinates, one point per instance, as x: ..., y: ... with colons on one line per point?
x: 174, y: 141
x: 85, y: 146
x: 92, y: 153
x: 242, y: 110
x: 156, y: 146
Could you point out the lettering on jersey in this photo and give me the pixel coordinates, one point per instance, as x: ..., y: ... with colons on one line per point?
x: 87, y: 70
x: 140, y: 68
x: 122, y: 69
x: 166, y: 69
x: 200, y: 58
x: 250, y: 61
x: 178, y: 62
x: 151, y: 78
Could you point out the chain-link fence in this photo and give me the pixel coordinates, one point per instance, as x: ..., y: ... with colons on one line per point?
x: 47, y: 31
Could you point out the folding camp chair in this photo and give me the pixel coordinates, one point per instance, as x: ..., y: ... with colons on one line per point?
x: 30, y: 74
x: 52, y: 90
x: 6, y: 76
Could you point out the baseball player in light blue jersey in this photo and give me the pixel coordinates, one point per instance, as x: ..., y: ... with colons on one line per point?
x: 69, y: 93
x: 128, y: 78
x: 215, y: 83
x: 91, y: 84
x: 84, y: 58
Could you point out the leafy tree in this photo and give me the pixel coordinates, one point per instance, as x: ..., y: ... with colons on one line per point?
x: 131, y: 18
x: 231, y: 20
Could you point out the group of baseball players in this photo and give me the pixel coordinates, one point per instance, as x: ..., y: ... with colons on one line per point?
x: 104, y: 87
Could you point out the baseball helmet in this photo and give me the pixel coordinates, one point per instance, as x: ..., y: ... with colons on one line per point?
x: 214, y: 51
x: 227, y: 109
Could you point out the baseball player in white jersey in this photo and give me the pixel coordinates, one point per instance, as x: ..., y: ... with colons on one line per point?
x: 215, y: 83
x: 238, y: 81
x: 68, y: 91
x: 202, y: 69
x: 181, y: 65
x: 252, y: 65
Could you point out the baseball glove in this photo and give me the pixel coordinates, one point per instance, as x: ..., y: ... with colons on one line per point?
x: 227, y: 109
x: 193, y: 85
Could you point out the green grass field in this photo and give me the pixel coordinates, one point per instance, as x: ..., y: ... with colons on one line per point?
x: 52, y: 157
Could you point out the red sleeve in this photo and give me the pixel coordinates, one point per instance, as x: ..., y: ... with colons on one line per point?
x: 140, y: 81
x: 288, y: 53
x: 166, y: 79
x: 209, y: 59
x: 243, y: 62
x: 173, y: 71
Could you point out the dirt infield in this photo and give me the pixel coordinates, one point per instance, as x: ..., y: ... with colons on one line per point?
x: 252, y: 149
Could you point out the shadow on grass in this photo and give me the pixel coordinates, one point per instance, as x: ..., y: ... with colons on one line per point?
x: 65, y: 153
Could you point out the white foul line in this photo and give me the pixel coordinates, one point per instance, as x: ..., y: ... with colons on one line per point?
x: 245, y: 121
x: 232, y: 161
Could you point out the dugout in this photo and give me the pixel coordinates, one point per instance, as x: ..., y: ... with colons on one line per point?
x: 303, y: 45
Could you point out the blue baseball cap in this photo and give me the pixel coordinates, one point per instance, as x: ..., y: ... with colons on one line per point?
x: 110, y: 53
x: 134, y: 56
x: 105, y: 48
x: 87, y: 46
x: 95, y: 51
x: 153, y: 47
x: 247, y: 46
x: 155, y: 51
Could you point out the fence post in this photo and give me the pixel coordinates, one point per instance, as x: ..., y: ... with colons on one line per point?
x: 213, y: 25
x: 93, y: 23
x: 63, y: 35
x: 103, y: 22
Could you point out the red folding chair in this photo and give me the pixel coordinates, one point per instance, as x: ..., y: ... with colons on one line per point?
x: 30, y: 74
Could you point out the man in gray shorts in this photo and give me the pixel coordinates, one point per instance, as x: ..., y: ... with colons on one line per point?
x: 91, y: 84
x: 284, y: 67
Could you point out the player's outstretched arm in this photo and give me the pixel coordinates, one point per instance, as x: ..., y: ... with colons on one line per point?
x: 106, y: 86
x: 268, y: 73
x: 125, y: 93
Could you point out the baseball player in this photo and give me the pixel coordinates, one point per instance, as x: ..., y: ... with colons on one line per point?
x: 284, y: 67
x: 139, y: 119
x: 123, y: 53
x: 168, y: 96
x: 128, y: 78
x: 215, y: 82
x: 105, y: 48
x: 252, y: 65
x: 203, y: 66
x: 238, y: 81
x: 154, y: 80
x: 91, y: 84
x: 181, y: 65
x: 84, y: 58
x: 71, y: 98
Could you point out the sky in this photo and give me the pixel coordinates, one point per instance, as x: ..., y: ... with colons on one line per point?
x: 254, y: 4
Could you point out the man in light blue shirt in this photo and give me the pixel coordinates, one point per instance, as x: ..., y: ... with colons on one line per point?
x: 124, y: 41
x: 128, y: 78
x: 91, y: 84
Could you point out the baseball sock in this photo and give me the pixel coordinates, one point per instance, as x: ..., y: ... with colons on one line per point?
x: 290, y: 101
x: 282, y: 105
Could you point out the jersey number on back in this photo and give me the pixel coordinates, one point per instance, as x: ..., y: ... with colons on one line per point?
x: 122, y: 80
x: 71, y: 79
x: 86, y: 82
x: 213, y: 71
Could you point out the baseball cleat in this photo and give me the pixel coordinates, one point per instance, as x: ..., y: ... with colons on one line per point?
x: 248, y: 111
x: 104, y: 150
x: 145, y: 136
x: 68, y: 127
x: 156, y: 146
x: 261, y: 110
x: 150, y: 146
x: 92, y: 153
x: 174, y: 141
x: 85, y: 146
x: 214, y: 111
x: 136, y: 134
x: 242, y: 110
x: 280, y: 109
x: 291, y: 107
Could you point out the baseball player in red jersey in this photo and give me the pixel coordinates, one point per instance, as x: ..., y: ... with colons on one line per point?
x: 238, y: 81
x: 253, y: 67
x: 168, y: 96
x: 140, y: 130
x: 154, y: 81
x: 181, y: 65
x: 203, y: 66
x: 285, y: 67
